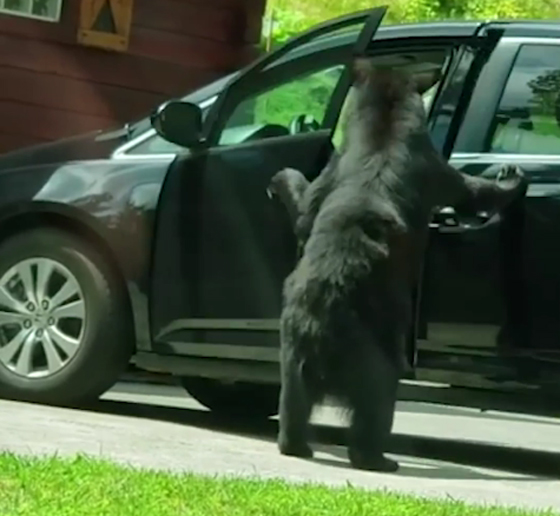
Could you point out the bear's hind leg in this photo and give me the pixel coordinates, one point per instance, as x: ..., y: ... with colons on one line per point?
x: 372, y: 399
x: 295, y: 407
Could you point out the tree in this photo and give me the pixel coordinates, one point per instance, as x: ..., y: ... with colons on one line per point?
x: 546, y: 92
x: 293, y: 16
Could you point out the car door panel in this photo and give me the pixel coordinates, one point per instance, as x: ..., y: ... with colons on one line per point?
x: 464, y: 262
x: 492, y: 295
x: 222, y: 247
x: 237, y: 244
x: 445, y: 121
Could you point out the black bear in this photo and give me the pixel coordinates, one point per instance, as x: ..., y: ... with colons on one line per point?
x: 362, y: 226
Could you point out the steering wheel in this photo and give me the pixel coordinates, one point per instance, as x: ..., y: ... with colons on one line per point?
x: 304, y: 124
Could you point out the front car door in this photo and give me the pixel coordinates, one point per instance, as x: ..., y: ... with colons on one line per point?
x: 491, y: 307
x: 222, y: 247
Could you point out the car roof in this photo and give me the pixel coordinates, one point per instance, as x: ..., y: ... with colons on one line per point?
x: 428, y: 29
x: 444, y: 29
x: 450, y: 28
x: 529, y: 28
x: 394, y: 31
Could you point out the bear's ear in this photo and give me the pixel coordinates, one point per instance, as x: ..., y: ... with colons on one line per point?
x: 362, y: 68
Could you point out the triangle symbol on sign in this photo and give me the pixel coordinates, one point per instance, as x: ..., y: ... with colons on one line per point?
x: 105, y: 22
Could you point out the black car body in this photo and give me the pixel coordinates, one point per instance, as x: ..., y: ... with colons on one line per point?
x: 190, y: 253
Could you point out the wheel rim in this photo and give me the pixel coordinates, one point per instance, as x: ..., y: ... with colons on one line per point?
x: 42, y: 317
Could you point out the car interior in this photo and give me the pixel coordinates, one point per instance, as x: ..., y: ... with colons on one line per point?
x: 420, y: 62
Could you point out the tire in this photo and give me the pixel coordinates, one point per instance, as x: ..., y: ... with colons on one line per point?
x: 102, y: 341
x: 234, y: 400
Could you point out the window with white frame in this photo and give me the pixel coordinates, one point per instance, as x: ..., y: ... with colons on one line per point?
x: 47, y: 10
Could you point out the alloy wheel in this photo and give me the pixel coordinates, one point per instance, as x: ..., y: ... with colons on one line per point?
x: 42, y: 317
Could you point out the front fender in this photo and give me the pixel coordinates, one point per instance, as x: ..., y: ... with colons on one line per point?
x: 115, y: 200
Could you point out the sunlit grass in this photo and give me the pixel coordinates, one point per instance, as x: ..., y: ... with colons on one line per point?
x: 82, y: 486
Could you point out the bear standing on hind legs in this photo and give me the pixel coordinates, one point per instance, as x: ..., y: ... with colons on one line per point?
x: 362, y: 227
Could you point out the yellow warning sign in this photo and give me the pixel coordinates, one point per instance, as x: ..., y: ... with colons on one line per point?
x: 105, y: 23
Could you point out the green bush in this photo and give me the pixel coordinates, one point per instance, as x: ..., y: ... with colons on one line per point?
x: 308, y: 95
x: 294, y: 16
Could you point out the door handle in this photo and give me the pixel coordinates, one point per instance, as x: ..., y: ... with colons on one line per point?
x: 447, y: 221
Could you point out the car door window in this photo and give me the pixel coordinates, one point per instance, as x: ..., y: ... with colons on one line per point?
x: 527, y: 120
x: 295, y: 106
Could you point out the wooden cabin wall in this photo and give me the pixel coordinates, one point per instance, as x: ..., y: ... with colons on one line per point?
x: 52, y: 87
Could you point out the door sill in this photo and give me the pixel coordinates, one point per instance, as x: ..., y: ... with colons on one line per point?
x: 215, y: 368
x: 218, y: 351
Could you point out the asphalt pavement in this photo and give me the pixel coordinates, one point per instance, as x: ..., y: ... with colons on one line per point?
x: 161, y: 427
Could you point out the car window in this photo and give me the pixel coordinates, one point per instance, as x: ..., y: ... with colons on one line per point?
x: 527, y: 120
x: 295, y: 106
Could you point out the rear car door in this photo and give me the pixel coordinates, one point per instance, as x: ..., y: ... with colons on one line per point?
x: 491, y: 307
x: 222, y: 248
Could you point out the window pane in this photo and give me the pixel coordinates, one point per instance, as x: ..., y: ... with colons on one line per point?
x: 18, y: 6
x: 296, y: 106
x: 309, y: 95
x: 528, y: 117
x: 344, y: 37
x: 45, y: 8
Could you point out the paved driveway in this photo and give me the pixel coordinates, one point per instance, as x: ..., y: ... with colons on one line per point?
x: 160, y: 427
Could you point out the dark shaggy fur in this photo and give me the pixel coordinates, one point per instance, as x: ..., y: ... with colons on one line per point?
x: 362, y: 226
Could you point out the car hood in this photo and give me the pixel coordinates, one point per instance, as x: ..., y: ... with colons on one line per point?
x: 94, y: 145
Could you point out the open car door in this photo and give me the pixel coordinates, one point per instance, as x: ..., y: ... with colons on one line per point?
x: 221, y: 248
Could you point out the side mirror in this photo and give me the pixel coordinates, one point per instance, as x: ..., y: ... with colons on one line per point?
x: 178, y: 122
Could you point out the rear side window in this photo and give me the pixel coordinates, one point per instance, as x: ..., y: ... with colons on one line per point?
x: 528, y: 117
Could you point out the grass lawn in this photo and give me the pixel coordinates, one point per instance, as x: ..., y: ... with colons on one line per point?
x: 84, y: 486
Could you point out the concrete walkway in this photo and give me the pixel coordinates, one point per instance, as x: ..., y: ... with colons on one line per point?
x: 152, y: 441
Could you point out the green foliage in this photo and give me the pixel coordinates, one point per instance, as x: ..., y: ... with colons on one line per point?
x: 308, y: 95
x: 511, y: 9
x: 545, y: 90
x: 15, y: 5
x: 293, y: 16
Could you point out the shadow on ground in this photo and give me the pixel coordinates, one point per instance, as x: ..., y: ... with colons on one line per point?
x: 419, y: 468
x: 331, y: 441
x: 420, y: 408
